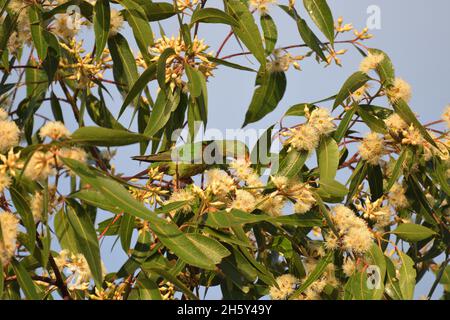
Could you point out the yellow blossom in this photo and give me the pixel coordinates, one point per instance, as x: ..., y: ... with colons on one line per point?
x: 10, y: 163
x: 9, y: 226
x: 116, y: 22
x: 186, y: 4
x: 397, y: 197
x: 219, y: 182
x: 395, y: 123
x: 446, y: 116
x: 5, y: 181
x: 303, y: 138
x: 349, y: 267
x: 287, y: 284
x: 321, y: 120
x: 371, y: 62
x: 40, y: 166
x: 400, y: 90
x: 262, y: 5
x: 55, y: 130
x: 184, y: 195
x: 10, y: 135
x: 244, y: 201
x: 372, y: 148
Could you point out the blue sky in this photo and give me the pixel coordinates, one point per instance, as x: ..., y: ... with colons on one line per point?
x: 414, y: 33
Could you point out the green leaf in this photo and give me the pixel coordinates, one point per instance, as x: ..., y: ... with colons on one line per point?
x: 195, y: 81
x: 173, y: 279
x: 148, y: 75
x: 96, y: 199
x: 102, y: 16
x: 56, y: 108
x: 247, y: 30
x: 413, y: 232
x: 291, y: 163
x: 6, y: 29
x: 124, y: 65
x: 333, y: 188
x: 87, y: 241
x: 100, y: 114
x: 36, y: 80
x: 314, y: 275
x: 157, y: 11
x: 270, y: 33
x: 165, y: 104
x: 224, y: 219
x: 392, y: 284
x: 353, y: 83
x: 188, y: 248
x: 407, y: 276
x: 328, y: 158
x: 298, y: 110
x: 229, y: 64
x: 213, y: 15
x: 375, y: 124
x: 126, y: 231
x: 37, y: 31
x: 25, y: 281
x: 161, y: 67
x: 305, y: 32
x: 385, y: 68
x: 345, y: 123
x: 137, y: 19
x: 398, y: 168
x: 270, y: 91
x: 106, y: 137
x: 226, y: 237
x: 307, y: 220
x: 148, y: 289
x: 51, y: 61
x: 23, y: 208
x: 375, y: 177
x: 320, y: 13
x: 442, y: 177
x: 64, y: 232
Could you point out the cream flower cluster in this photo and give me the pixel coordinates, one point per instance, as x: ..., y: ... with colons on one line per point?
x: 397, y: 197
x: 400, y: 90
x: 371, y: 62
x: 372, y: 148
x: 375, y: 211
x: 54, y: 130
x: 184, y: 195
x: 10, y: 162
x: 306, y: 137
x: 186, y: 4
x: 287, y: 284
x: 262, y: 6
x: 354, y: 233
x: 195, y: 55
x: 76, y: 264
x: 9, y: 166
x: 9, y: 133
x: 9, y: 226
x: 116, y: 22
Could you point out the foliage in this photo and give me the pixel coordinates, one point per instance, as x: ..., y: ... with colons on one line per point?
x: 311, y: 230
